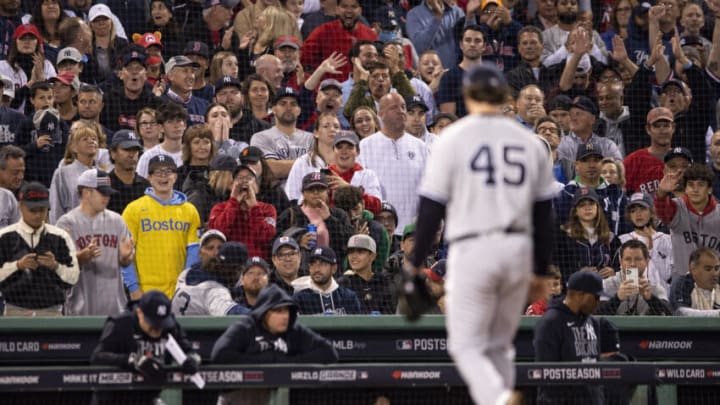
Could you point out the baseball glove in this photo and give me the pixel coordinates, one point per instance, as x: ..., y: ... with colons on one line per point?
x: 414, y: 297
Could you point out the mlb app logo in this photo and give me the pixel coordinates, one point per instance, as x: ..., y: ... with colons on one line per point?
x: 403, y: 344
x: 535, y: 374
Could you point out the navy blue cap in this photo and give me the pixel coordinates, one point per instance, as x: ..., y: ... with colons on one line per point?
x: 284, y: 241
x: 586, y: 104
x: 155, y: 307
x: 675, y: 152
x: 673, y: 82
x: 584, y: 193
x: 415, y: 101
x: 226, y: 81
x: 232, y: 253
x: 485, y: 74
x: 251, y: 154
x: 133, y: 56
x: 314, y: 179
x: 588, y: 149
x: 161, y: 160
x: 642, y: 199
x: 560, y: 102
x: 326, y: 254
x: 286, y: 92
x: 196, y: 48
x: 125, y: 139
x: 259, y: 262
x: 586, y: 281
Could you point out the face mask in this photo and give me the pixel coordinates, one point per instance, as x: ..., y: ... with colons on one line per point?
x: 567, y: 18
x: 386, y: 36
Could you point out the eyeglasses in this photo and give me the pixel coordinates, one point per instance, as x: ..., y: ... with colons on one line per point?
x: 147, y: 123
x: 285, y: 256
x: 548, y: 129
x: 163, y: 172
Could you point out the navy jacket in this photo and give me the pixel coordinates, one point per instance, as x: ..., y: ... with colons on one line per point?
x: 248, y: 342
x: 341, y: 301
x: 561, y: 335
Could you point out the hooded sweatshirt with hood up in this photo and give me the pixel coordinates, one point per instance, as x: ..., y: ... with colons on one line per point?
x: 249, y: 342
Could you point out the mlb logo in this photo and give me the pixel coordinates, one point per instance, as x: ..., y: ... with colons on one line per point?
x: 535, y: 374
x: 403, y: 344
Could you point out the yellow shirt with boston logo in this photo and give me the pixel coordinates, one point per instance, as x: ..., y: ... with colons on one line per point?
x: 163, y: 234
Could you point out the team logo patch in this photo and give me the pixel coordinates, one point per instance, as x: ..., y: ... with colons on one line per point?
x: 161, y: 310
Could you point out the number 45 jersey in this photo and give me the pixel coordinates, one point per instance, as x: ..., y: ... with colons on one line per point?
x: 488, y: 170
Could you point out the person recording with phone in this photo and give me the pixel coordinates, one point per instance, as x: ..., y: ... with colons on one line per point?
x: 242, y: 218
x: 630, y: 292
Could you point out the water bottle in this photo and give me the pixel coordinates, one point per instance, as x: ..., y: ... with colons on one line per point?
x: 312, y: 229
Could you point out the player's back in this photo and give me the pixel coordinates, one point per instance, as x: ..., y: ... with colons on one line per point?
x: 488, y: 170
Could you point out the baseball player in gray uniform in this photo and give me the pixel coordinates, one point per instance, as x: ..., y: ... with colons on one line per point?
x: 203, y: 288
x: 104, y: 246
x: 492, y: 180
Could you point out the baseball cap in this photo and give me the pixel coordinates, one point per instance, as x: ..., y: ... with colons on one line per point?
x: 437, y: 271
x: 386, y: 206
x: 148, y: 39
x: 560, y: 102
x: 197, y: 48
x: 641, y: 199
x: 314, y: 179
x: 210, y: 235
x: 251, y: 154
x: 25, y: 29
x: 99, y: 10
x: 348, y: 137
x: 67, y: 78
x: 586, y: 281
x: 257, y: 261
x: 658, y: 114
x: 287, y: 40
x: 284, y: 241
x: 330, y: 83
x: 675, y: 152
x: 416, y: 101
x: 584, y: 193
x: 387, y: 18
x: 588, y: 149
x: 409, y: 230
x: 232, y: 254
x: 323, y: 253
x: 34, y: 195
x: 485, y: 75
x: 125, y: 139
x: 226, y: 81
x: 97, y: 179
x: 286, y: 92
x: 643, y: 8
x: 133, y: 56
x: 161, y: 160
x: 8, y: 86
x: 690, y: 40
x: 586, y: 104
x: 361, y: 241
x: 70, y: 53
x: 179, y: 61
x: 224, y: 162
x: 225, y: 3
x: 155, y: 307
x: 673, y: 82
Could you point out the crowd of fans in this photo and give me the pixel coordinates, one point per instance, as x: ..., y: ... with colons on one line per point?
x: 138, y: 140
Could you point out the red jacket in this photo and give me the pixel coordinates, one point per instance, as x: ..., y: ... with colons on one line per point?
x: 372, y: 204
x: 254, y: 228
x: 332, y: 37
